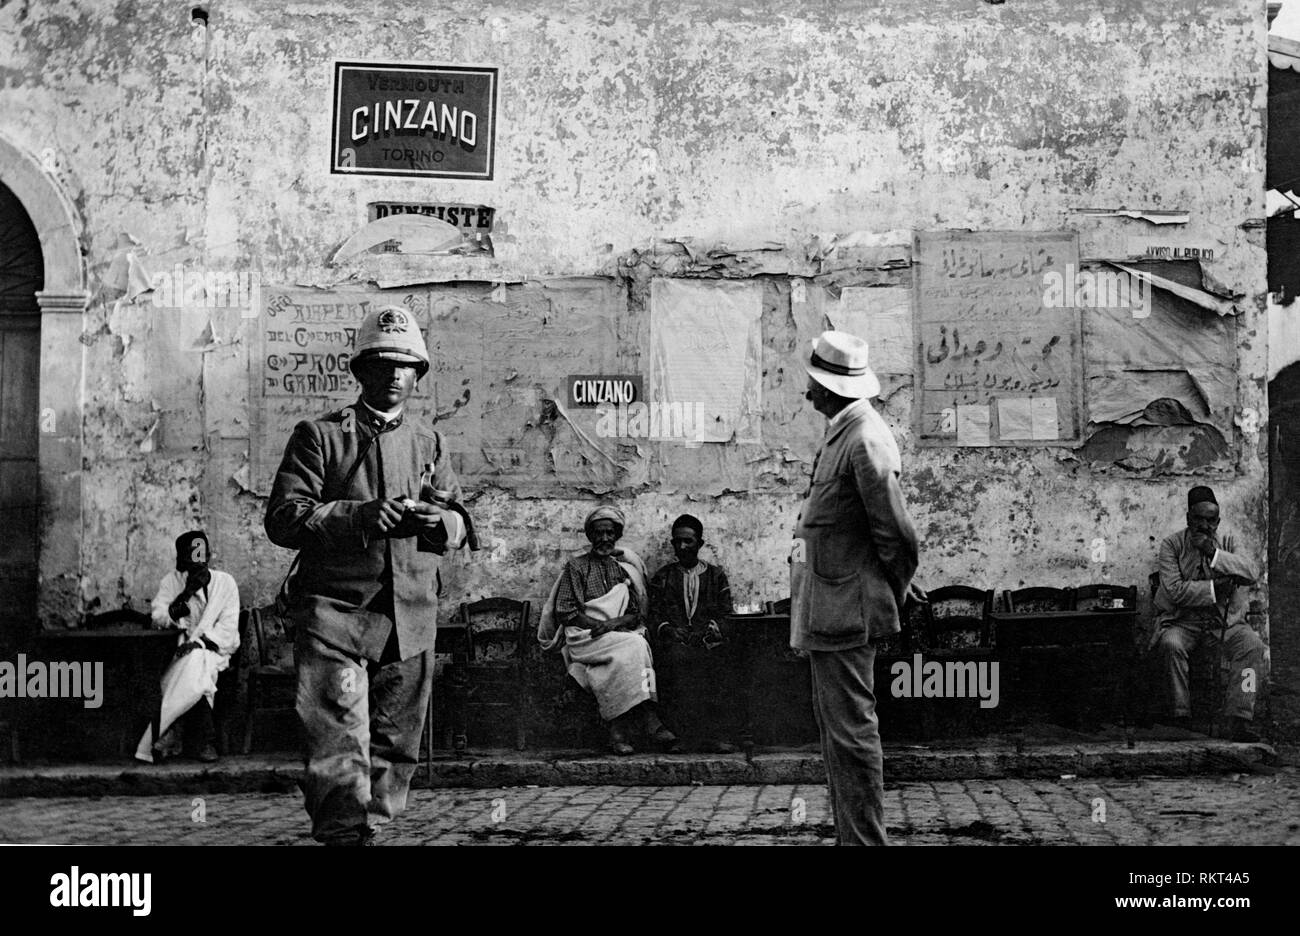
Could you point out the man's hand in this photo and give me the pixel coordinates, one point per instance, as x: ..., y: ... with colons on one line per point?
x: 417, y: 518
x: 188, y: 647
x: 1224, y: 585
x: 622, y: 622
x: 915, y: 594
x: 1205, y: 544
x: 378, y: 517
x: 180, y: 606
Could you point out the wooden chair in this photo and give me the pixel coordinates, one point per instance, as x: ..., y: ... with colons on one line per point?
x: 1040, y: 598
x: 274, y: 666
x: 956, y: 618
x: 471, y: 637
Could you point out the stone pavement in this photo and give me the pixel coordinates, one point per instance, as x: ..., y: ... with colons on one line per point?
x: 993, y: 758
x: 1251, y: 808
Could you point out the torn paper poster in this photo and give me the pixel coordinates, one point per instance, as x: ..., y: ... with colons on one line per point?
x: 706, y: 349
x: 1152, y: 215
x: 1177, y: 353
x: 1125, y: 397
x: 1044, y: 419
x: 1014, y: 420
x: 973, y: 425
x: 1166, y: 248
x: 883, y: 317
x: 128, y: 276
x: 1198, y: 296
x: 240, y: 477
x: 407, y: 233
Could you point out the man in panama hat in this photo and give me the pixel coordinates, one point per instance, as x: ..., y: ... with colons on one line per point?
x: 855, y: 551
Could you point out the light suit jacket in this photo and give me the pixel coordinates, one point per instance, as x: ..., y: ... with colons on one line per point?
x: 1186, y: 593
x: 855, y: 548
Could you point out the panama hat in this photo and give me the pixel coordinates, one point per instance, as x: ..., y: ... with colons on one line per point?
x: 839, y: 363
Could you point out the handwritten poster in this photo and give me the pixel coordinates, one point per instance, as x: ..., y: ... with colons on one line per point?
x: 305, y: 340
x: 998, y: 357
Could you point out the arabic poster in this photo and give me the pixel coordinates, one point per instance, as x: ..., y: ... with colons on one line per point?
x: 992, y: 335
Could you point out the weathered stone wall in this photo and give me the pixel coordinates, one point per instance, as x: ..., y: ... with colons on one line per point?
x: 625, y: 130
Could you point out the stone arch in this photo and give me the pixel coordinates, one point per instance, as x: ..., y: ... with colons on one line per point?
x: 63, y: 302
x: 53, y: 214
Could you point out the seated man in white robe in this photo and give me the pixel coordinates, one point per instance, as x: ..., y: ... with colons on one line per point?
x: 204, y: 604
x: 597, y: 609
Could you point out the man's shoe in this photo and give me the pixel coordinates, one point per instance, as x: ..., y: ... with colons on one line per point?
x: 1242, y: 732
x: 208, y: 754
x: 666, y: 740
x: 618, y: 742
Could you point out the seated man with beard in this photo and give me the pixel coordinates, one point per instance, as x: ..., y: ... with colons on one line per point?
x: 596, y: 613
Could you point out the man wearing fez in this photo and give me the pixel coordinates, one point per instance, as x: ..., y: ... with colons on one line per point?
x: 368, y: 497
x: 688, y: 600
x: 851, y: 565
x: 204, y: 604
x: 1202, y: 598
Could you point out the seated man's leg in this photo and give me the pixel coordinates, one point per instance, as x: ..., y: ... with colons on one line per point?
x: 332, y: 703
x: 399, y: 701
x: 184, y: 683
x: 1173, y: 645
x: 200, y: 730
x: 1245, y: 652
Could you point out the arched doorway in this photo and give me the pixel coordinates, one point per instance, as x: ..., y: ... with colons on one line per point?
x: 35, y: 199
x: 21, y: 277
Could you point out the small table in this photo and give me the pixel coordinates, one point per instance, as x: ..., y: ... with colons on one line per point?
x: 751, y: 633
x: 147, y: 651
x: 1109, y: 630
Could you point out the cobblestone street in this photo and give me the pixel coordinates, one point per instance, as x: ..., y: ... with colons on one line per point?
x: 1217, y: 810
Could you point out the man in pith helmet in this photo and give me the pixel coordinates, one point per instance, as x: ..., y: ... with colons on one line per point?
x: 362, y: 494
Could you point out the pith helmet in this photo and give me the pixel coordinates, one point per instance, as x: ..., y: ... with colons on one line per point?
x: 391, y: 333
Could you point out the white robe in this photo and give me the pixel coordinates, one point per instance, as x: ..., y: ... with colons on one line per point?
x: 616, y: 667
x: 214, y: 613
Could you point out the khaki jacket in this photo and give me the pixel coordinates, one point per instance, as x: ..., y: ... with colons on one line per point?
x: 855, y: 548
x: 341, y: 571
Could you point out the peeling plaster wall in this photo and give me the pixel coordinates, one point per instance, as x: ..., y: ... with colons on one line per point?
x: 623, y: 126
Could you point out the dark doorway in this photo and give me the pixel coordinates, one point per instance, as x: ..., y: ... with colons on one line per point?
x: 21, y: 276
